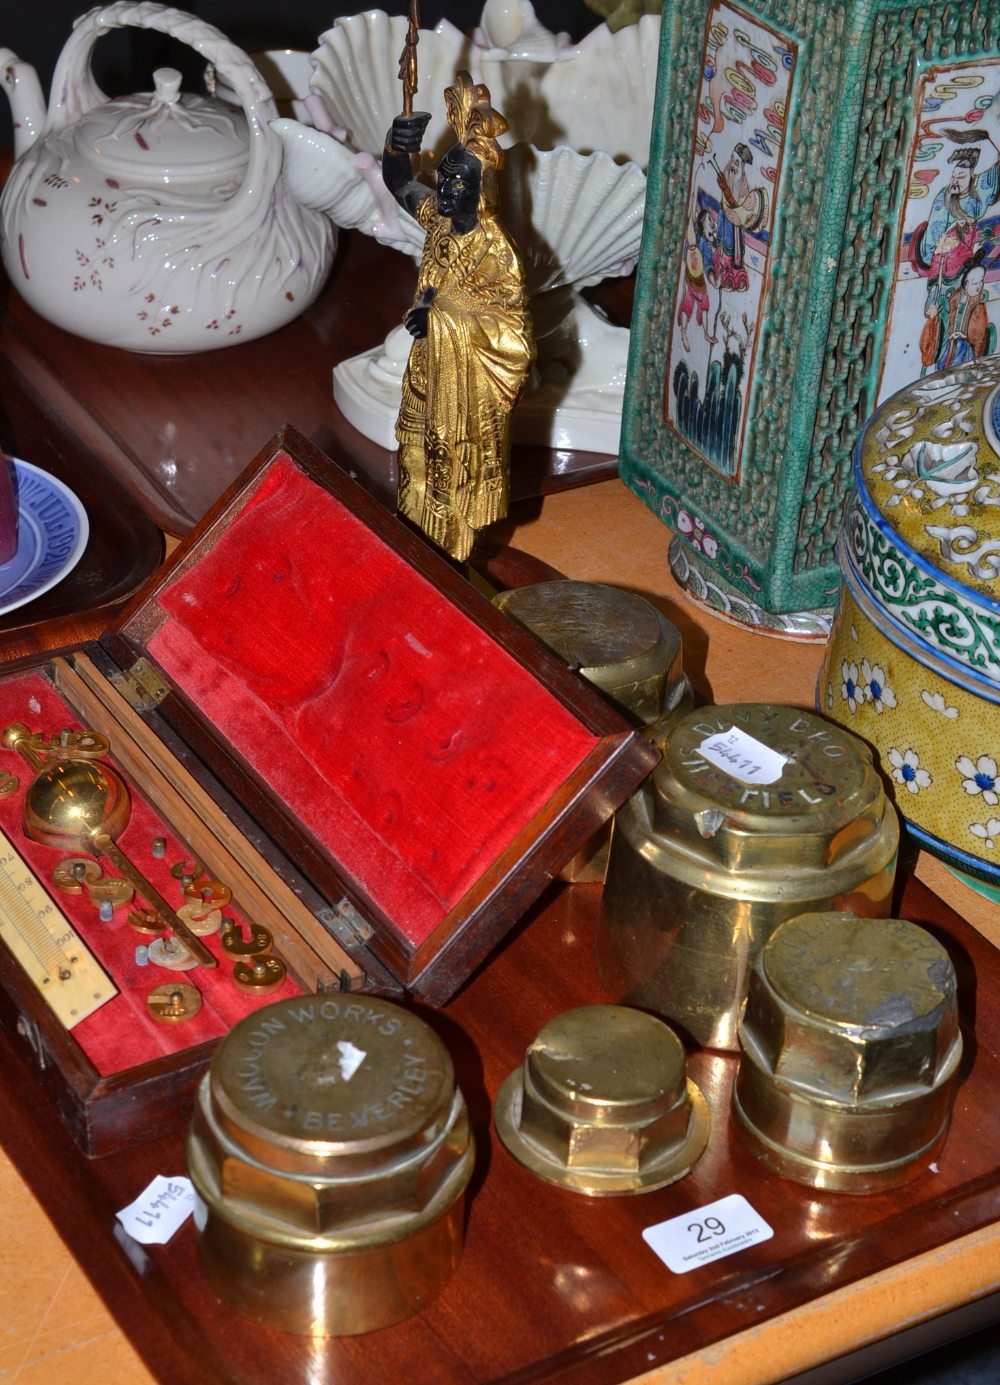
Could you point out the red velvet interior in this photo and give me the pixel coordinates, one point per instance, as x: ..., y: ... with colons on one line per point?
x: 406, y: 741
x: 121, y: 1034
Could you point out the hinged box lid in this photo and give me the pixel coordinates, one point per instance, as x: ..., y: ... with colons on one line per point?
x: 425, y: 763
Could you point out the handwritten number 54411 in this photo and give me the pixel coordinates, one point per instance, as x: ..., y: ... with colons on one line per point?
x: 149, y: 1214
x: 726, y: 749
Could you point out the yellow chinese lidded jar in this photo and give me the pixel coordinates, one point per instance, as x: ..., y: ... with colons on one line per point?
x: 913, y: 664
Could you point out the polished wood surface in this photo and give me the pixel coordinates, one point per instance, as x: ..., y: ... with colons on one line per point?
x: 550, y: 1284
x: 175, y: 431
x: 123, y: 548
x: 125, y: 545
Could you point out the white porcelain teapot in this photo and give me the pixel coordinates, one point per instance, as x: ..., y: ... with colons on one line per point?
x: 159, y: 222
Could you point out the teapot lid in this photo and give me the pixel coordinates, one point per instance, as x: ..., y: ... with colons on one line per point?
x: 160, y: 137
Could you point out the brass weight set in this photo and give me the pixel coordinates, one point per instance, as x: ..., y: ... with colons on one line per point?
x: 716, y: 885
x: 77, y: 802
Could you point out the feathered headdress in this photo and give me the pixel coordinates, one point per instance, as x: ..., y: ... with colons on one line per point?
x: 476, y: 124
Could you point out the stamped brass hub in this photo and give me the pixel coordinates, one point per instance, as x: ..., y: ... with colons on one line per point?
x: 705, y: 865
x: 850, y: 1052
x: 626, y: 648
x: 330, y: 1150
x: 602, y: 1104
x: 615, y: 639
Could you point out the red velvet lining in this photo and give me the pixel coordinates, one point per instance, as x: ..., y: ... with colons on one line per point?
x: 121, y: 1034
x: 407, y: 742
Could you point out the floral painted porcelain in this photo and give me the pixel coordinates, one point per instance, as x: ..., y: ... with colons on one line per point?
x: 913, y: 663
x: 159, y: 222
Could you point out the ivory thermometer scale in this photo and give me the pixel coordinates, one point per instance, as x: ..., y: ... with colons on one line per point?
x: 44, y: 942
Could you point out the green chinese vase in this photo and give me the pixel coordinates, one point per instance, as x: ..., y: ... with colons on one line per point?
x: 821, y: 229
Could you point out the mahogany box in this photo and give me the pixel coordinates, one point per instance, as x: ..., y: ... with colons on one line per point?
x: 318, y: 710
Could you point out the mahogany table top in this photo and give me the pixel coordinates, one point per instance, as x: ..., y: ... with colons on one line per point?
x: 175, y: 431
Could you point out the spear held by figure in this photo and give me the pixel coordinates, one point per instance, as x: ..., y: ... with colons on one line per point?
x: 408, y: 59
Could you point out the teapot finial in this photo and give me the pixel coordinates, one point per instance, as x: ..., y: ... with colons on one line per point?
x: 167, y: 85
x: 27, y: 104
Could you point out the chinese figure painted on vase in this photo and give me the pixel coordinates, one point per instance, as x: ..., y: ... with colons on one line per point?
x: 737, y: 147
x: 945, y: 306
x: 472, y: 343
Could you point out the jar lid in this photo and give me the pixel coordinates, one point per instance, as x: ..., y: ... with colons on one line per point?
x: 861, y: 981
x: 615, y: 639
x: 921, y: 536
x: 928, y: 473
x: 330, y: 1117
x: 161, y: 137
x: 764, y: 790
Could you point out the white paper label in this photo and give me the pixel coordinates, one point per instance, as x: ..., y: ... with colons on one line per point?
x: 159, y: 1210
x: 743, y: 757
x: 350, y: 1058
x: 710, y: 1233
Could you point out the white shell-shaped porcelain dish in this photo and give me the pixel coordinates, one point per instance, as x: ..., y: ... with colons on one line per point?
x: 577, y: 218
x: 594, y: 95
x: 355, y: 72
x: 599, y: 93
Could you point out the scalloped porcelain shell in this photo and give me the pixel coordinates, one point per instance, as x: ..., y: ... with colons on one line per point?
x: 594, y: 95
x: 355, y: 71
x: 913, y: 664
x: 576, y: 218
x: 584, y: 212
x: 599, y: 94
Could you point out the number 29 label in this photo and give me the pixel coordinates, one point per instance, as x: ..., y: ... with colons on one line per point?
x: 697, y: 1238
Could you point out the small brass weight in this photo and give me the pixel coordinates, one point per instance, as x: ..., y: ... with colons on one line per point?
x: 254, y: 971
x: 73, y: 875
x: 174, y: 1002
x: 259, y: 974
x: 236, y: 944
x: 109, y: 889
x: 77, y: 803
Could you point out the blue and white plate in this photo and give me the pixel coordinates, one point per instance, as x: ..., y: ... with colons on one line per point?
x: 52, y: 533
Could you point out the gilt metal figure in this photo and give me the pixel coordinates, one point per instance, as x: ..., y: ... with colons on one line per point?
x: 472, y: 348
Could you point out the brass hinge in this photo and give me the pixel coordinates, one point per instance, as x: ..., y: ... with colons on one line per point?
x: 345, y: 922
x: 141, y: 686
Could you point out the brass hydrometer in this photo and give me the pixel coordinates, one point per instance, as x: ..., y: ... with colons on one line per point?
x: 80, y: 804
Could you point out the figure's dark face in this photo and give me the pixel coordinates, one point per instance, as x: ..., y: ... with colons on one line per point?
x: 459, y: 179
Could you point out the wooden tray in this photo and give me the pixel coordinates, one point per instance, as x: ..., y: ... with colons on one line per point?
x: 552, y: 1286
